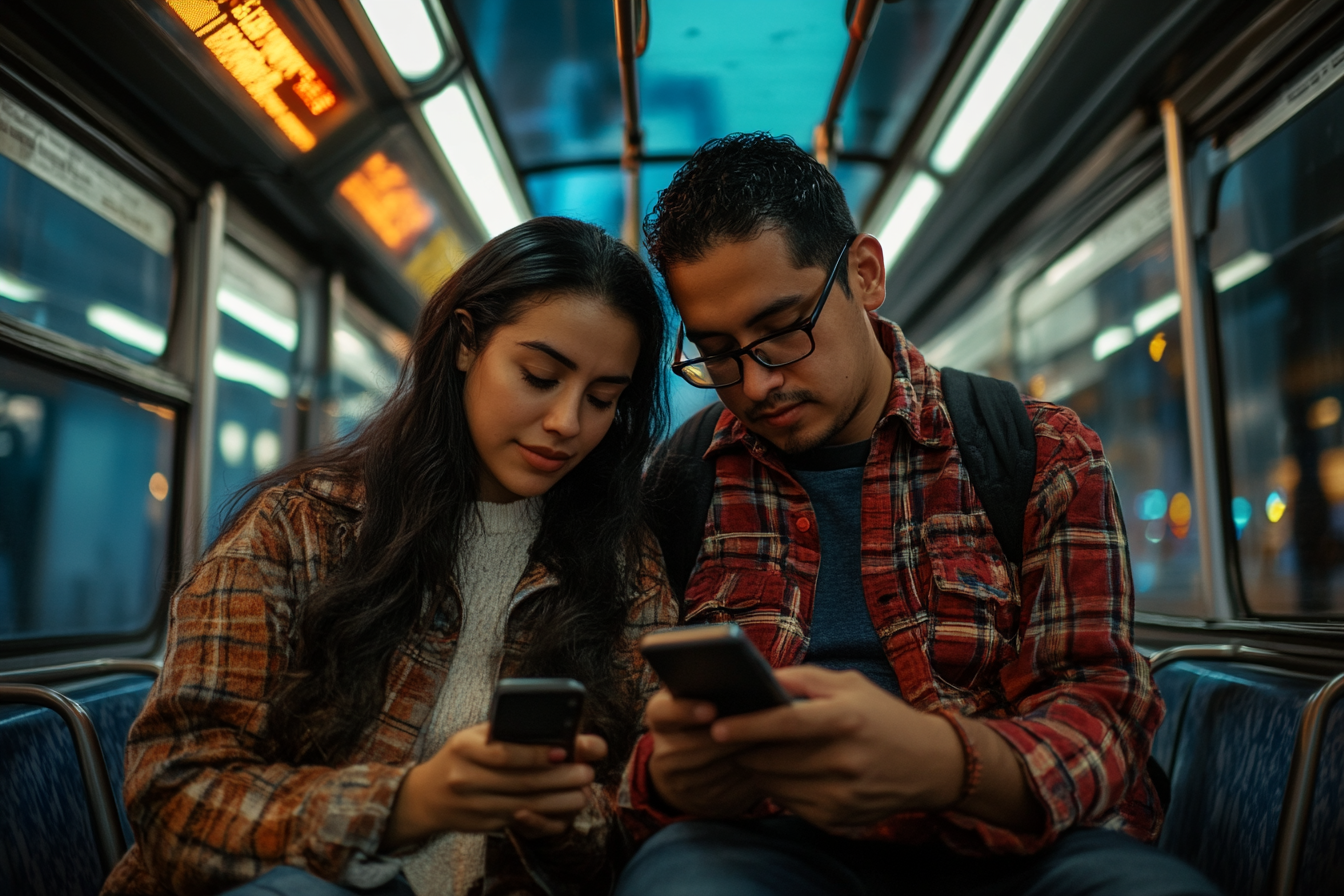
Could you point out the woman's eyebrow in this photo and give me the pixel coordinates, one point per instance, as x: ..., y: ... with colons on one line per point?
x: 619, y: 380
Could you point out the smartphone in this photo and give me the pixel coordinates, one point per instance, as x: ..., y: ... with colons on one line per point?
x: 717, y: 663
x: 542, y: 711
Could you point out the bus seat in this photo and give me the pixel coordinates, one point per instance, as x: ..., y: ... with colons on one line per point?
x: 49, y: 847
x: 1227, y: 743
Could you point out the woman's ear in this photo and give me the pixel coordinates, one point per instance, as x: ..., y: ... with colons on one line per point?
x: 466, y: 349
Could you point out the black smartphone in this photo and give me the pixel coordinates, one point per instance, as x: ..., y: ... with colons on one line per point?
x: 717, y: 663
x: 542, y: 711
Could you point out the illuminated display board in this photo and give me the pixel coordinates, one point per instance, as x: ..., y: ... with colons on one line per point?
x: 381, y: 192
x: 395, y: 200
x: 248, y: 39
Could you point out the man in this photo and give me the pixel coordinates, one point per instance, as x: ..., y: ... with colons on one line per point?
x: 972, y: 725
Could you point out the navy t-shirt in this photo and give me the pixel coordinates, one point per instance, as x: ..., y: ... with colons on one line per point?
x: 842, y: 632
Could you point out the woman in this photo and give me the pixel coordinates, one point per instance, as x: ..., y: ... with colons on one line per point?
x: 330, y: 662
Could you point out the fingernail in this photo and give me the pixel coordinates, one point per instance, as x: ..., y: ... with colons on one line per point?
x: 556, y: 754
x: 704, y: 712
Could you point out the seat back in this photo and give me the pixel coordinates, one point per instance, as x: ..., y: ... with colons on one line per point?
x: 1228, y: 743
x: 48, y: 844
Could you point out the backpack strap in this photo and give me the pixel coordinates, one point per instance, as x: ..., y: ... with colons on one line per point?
x: 679, y: 487
x: 998, y: 447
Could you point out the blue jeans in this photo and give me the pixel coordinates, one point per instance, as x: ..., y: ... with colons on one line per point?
x: 789, y: 857
x: 288, y: 881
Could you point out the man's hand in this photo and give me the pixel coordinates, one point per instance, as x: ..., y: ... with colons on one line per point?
x: 474, y: 785
x: 691, y: 772
x: 850, y: 755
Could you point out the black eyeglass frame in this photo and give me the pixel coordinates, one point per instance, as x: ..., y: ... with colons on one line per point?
x: 736, y: 354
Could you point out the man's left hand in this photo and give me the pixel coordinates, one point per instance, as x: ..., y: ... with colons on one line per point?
x: 850, y: 754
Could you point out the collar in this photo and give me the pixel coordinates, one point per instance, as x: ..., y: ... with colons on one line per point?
x: 915, y: 400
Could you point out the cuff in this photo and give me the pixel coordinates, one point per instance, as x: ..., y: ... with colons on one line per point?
x: 643, y: 809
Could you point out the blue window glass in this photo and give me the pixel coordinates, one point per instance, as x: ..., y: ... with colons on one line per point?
x: 1277, y: 259
x: 902, y: 59
x: 86, y: 476
x: 1099, y: 332
x: 366, y: 357
x: 254, y: 374
x: 83, y: 250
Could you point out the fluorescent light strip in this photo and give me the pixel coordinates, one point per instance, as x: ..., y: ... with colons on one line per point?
x: 281, y: 330
x: 408, y: 34
x: 126, y: 327
x: 992, y: 85
x: 17, y: 290
x: 919, y: 196
x: 1110, y: 341
x: 1155, y: 314
x: 462, y: 139
x: 1071, y: 261
x: 1241, y: 269
x: 230, y: 365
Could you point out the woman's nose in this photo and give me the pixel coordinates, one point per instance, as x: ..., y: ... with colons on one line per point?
x: 562, y: 417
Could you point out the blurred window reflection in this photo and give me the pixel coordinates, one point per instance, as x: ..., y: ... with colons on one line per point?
x: 366, y: 358
x: 1098, y: 331
x: 1277, y: 259
x: 84, y: 251
x: 254, y: 376
x: 86, y: 476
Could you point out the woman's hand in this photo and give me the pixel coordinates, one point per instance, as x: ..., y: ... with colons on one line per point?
x: 475, y: 786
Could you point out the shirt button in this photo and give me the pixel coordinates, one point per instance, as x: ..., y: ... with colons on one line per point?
x: 804, y: 524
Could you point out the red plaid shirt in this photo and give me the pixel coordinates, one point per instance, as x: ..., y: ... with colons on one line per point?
x: 1043, y: 653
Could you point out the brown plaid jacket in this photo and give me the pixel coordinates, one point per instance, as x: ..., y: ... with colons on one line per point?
x: 208, y: 809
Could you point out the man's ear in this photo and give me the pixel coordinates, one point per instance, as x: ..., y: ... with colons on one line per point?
x: 867, y: 272
x: 466, y: 349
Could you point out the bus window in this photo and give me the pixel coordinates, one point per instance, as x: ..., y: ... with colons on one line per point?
x: 85, y: 473
x: 1098, y: 331
x: 1277, y: 260
x: 83, y: 250
x: 366, y: 357
x: 254, y: 372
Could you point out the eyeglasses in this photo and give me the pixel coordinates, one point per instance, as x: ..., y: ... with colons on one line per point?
x: 778, y: 349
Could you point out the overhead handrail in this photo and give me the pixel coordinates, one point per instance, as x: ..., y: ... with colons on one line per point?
x: 632, y: 39
x: 1291, y: 833
x: 825, y: 146
x: 85, y: 669
x: 102, y: 802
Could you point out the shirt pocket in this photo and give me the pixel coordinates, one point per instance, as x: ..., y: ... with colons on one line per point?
x: 743, y: 578
x: 973, y: 600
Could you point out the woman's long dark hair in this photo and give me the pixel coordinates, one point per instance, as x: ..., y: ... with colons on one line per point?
x: 420, y: 471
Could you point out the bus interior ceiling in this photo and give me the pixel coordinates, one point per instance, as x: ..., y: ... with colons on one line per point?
x: 220, y: 218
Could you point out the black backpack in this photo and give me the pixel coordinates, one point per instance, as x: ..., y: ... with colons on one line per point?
x: 993, y: 433
x: 992, y: 430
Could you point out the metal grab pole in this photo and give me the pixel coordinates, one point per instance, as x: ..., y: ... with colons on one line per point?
x: 861, y: 27
x: 1301, y: 788
x: 631, y: 40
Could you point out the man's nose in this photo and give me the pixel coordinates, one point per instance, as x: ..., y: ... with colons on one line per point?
x: 758, y: 381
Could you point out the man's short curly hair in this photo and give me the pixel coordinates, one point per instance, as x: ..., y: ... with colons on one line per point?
x: 736, y: 187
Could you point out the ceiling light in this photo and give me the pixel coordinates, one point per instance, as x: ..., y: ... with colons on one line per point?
x: 408, y: 34
x: 920, y: 194
x: 1110, y: 341
x: 18, y: 290
x: 460, y: 135
x: 279, y: 329
x: 238, y: 368
x: 1241, y: 269
x: 997, y: 76
x: 126, y: 327
x: 1155, y: 314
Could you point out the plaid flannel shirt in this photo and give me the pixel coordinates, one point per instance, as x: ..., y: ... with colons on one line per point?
x: 211, y: 809
x: 1043, y: 654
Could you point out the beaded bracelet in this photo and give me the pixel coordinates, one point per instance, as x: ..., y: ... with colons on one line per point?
x: 970, y: 775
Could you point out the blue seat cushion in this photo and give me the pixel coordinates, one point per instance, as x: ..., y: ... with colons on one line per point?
x: 1227, y: 744
x: 48, y: 847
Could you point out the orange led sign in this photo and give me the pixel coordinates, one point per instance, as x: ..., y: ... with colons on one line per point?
x: 251, y: 45
x: 382, y: 193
